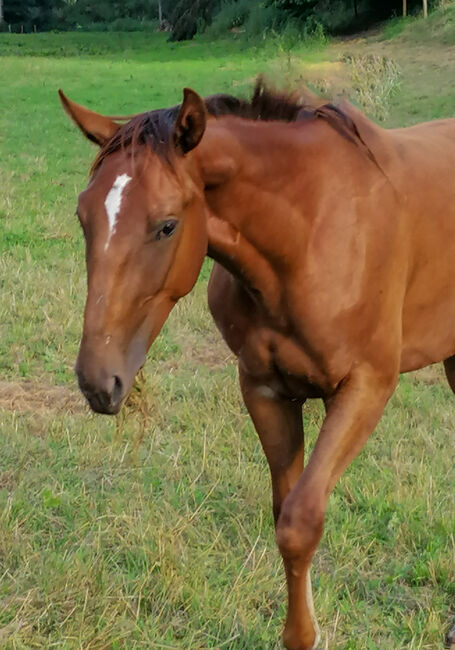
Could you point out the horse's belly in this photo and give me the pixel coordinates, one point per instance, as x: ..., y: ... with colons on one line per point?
x: 428, y: 331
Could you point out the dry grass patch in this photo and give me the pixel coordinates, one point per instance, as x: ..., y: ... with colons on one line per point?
x: 32, y: 397
x: 374, y: 78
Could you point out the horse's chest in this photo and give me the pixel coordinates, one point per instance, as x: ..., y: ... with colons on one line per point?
x: 280, y: 363
x: 273, y: 359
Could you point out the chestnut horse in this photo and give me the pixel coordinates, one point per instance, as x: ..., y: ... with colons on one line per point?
x: 334, y: 249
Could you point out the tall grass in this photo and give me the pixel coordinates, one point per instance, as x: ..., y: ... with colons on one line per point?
x: 375, y: 79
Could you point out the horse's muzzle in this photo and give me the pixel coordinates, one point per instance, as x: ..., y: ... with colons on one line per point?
x: 106, y: 397
x: 106, y: 374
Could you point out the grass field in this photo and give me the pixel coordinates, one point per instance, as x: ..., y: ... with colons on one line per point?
x: 154, y: 530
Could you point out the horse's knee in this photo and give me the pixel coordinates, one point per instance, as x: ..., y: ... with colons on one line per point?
x: 299, y: 530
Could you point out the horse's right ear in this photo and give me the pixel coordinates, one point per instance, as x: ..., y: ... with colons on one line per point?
x: 97, y: 128
x: 190, y: 124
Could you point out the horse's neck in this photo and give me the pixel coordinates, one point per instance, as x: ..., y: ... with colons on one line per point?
x: 250, y: 221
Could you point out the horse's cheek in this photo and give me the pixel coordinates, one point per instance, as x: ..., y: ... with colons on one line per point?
x: 189, y: 256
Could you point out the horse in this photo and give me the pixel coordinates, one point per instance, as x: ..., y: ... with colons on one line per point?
x: 333, y: 243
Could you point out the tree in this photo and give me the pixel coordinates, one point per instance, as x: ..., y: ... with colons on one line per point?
x: 189, y: 16
x: 41, y: 14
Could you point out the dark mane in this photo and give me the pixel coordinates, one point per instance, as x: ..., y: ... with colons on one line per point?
x: 155, y: 128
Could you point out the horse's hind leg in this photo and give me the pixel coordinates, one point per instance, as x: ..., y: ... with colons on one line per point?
x: 449, y: 366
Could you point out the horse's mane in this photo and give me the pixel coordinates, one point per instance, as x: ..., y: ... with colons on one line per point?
x: 155, y: 128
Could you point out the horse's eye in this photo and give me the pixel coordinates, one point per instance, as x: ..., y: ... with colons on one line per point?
x: 166, y: 229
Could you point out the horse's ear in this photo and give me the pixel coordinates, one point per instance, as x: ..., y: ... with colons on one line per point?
x: 97, y: 128
x: 190, y: 123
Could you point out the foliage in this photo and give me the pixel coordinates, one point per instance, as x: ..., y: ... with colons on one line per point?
x: 70, y: 14
x: 33, y: 13
x: 252, y: 17
x: 262, y: 19
x: 187, y: 17
x: 346, y: 15
x: 231, y: 15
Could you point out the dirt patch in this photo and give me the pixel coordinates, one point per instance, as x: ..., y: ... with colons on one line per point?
x: 31, y: 397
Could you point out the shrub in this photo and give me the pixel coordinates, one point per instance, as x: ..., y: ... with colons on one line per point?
x: 254, y: 18
x: 93, y: 27
x: 263, y: 19
x: 232, y: 14
x: 131, y: 25
x: 375, y: 79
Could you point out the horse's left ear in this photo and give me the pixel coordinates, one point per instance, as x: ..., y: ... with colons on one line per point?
x: 190, y: 123
x: 96, y: 127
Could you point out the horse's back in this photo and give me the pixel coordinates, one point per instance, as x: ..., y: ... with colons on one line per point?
x: 423, y: 173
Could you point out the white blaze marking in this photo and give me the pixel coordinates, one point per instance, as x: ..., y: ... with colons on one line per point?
x: 113, y: 202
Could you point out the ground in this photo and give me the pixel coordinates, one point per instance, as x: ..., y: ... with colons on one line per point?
x: 154, y: 529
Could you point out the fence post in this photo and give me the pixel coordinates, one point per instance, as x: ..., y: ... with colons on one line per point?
x: 405, y: 9
x: 425, y: 8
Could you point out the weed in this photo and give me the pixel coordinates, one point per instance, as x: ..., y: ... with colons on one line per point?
x: 375, y: 78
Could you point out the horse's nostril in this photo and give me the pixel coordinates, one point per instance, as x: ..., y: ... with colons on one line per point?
x: 117, y: 390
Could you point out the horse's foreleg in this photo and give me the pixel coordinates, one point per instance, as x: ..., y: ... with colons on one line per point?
x: 279, y: 425
x: 352, y: 414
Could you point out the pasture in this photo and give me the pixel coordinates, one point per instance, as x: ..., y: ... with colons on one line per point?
x: 154, y: 529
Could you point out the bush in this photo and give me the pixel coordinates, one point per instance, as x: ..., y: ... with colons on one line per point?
x: 335, y: 18
x: 254, y: 18
x: 93, y: 27
x: 263, y: 19
x: 231, y: 14
x: 189, y: 17
x: 184, y: 29
x: 132, y: 25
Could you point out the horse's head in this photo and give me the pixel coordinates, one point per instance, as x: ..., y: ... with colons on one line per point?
x: 144, y: 223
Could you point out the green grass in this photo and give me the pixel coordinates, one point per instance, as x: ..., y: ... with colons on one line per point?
x: 395, y: 27
x: 154, y: 530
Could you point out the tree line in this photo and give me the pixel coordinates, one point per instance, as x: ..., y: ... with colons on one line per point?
x: 184, y: 18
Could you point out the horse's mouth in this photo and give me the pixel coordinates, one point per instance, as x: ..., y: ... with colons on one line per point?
x: 101, y: 403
